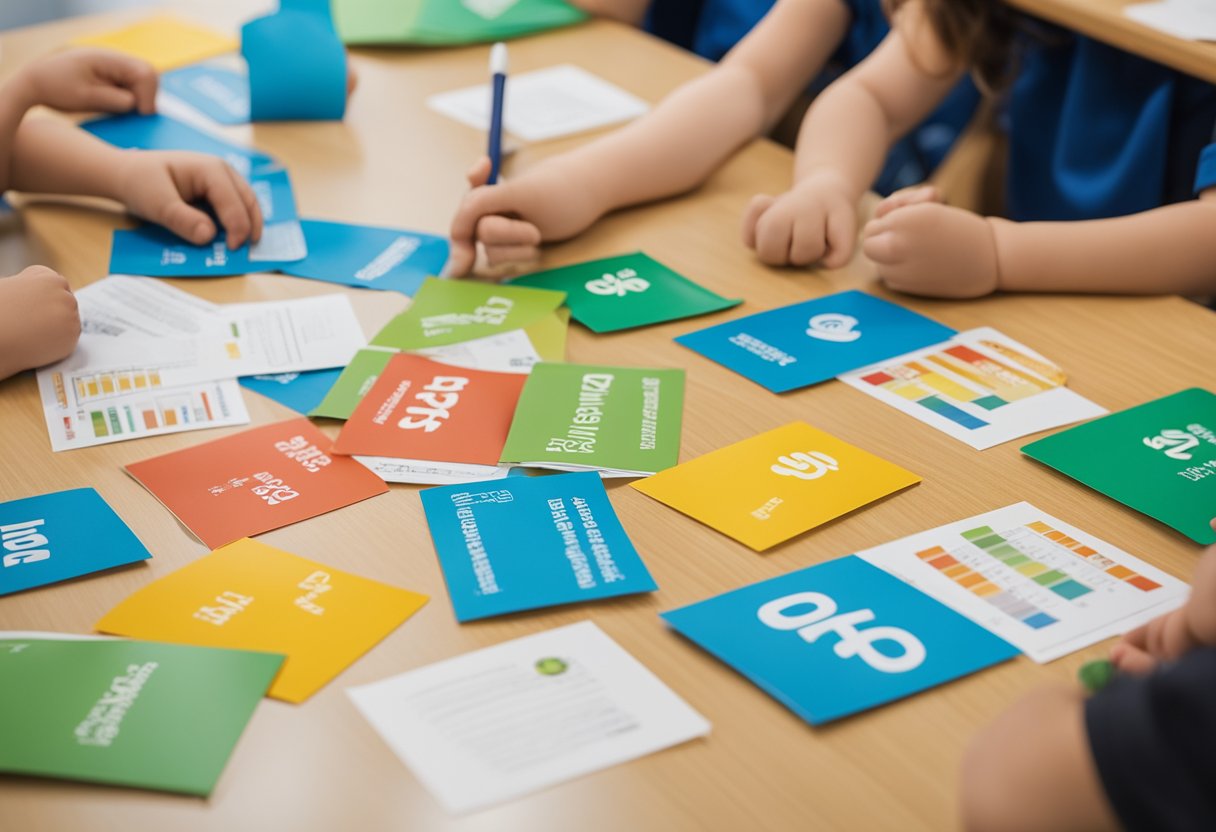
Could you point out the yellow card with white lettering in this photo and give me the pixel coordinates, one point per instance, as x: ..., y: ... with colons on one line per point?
x: 164, y: 41
x: 764, y: 490
x: 251, y: 596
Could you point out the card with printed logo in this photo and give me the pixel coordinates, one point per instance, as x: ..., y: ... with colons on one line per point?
x: 806, y: 343
x: 767, y: 489
x: 255, y: 481
x: 421, y: 409
x: 1158, y: 458
x: 125, y: 713
x: 450, y: 311
x: 620, y: 421
x: 54, y: 537
x: 523, y: 543
x: 838, y: 638
x: 251, y: 596
x: 627, y: 291
x: 370, y: 257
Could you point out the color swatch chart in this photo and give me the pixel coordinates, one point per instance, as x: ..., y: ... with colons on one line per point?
x: 114, y: 383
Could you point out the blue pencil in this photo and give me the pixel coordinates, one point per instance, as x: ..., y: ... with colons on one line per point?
x: 498, y: 73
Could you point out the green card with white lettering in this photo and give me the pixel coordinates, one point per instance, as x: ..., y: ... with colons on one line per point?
x: 1158, y: 458
x: 445, y: 22
x: 620, y: 421
x: 625, y: 292
x: 358, y: 377
x: 127, y: 713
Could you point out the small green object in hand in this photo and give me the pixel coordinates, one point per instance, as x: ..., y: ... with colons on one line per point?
x: 1096, y: 675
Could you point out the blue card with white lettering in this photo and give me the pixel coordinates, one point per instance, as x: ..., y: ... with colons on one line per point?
x: 157, y: 132
x: 54, y: 537
x: 806, y: 343
x: 297, y: 64
x: 527, y: 542
x: 220, y: 93
x: 299, y: 391
x: 838, y: 638
x: 369, y: 256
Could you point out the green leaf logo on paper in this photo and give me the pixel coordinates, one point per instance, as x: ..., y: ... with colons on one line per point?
x: 551, y: 667
x: 1175, y: 443
x: 619, y: 284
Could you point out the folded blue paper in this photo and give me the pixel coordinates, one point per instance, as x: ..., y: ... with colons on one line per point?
x: 217, y: 92
x: 157, y: 132
x: 368, y: 256
x: 838, y: 638
x: 527, y: 542
x: 297, y: 64
x: 299, y: 391
x: 806, y: 343
x: 54, y: 537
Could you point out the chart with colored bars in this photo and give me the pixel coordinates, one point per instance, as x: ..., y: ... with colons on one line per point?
x: 116, y: 383
x: 1037, y: 552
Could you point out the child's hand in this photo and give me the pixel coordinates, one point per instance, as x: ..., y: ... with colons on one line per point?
x: 39, y: 321
x: 816, y: 221
x: 161, y: 185
x: 85, y: 80
x: 924, y: 248
x: 512, y: 220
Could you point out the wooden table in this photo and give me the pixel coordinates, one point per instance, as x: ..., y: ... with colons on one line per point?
x: 320, y: 766
x: 1104, y: 20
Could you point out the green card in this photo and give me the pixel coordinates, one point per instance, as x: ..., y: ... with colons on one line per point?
x: 451, y: 311
x: 1159, y: 458
x: 442, y: 22
x: 127, y: 713
x: 627, y: 291
x: 358, y: 377
x: 621, y: 421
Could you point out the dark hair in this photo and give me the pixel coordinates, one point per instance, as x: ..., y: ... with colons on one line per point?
x: 978, y: 34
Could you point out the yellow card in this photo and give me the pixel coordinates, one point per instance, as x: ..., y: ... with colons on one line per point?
x: 764, y: 490
x: 251, y: 596
x: 165, y: 42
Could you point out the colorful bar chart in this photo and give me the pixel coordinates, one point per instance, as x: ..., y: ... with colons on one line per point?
x: 114, y: 383
x: 996, y: 546
x: 1094, y: 558
x: 1007, y: 601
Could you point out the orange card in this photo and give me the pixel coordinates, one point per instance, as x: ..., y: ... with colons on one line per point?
x: 421, y: 409
x: 255, y: 481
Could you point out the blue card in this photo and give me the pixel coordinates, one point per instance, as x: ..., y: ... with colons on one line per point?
x: 217, y: 92
x: 157, y: 132
x: 299, y: 391
x: 838, y: 638
x: 53, y: 537
x: 297, y: 64
x: 527, y: 542
x: 368, y: 256
x: 806, y: 343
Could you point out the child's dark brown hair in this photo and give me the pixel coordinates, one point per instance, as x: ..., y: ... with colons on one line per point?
x: 979, y: 34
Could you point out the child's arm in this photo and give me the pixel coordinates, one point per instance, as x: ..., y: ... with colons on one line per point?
x: 39, y: 321
x: 671, y: 150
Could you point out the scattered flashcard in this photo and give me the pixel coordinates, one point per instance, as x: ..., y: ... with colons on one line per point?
x: 251, y: 596
x: 450, y: 311
x: 545, y: 104
x: 297, y: 64
x: 299, y: 391
x: 125, y: 713
x: 368, y: 256
x: 421, y: 409
x: 620, y: 421
x: 157, y: 132
x: 1159, y: 458
x: 121, y: 305
x: 806, y: 343
x: 578, y: 698
x: 165, y: 42
x: 1040, y: 584
x: 255, y: 481
x: 628, y: 291
x: 807, y: 640
x: 220, y: 93
x: 426, y: 472
x: 53, y: 537
x: 530, y: 542
x: 1186, y: 19
x: 157, y: 252
x: 358, y: 377
x: 764, y: 490
x: 446, y: 22
x: 980, y: 387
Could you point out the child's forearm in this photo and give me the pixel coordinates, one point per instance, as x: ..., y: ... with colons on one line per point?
x: 53, y: 157
x: 1170, y: 250
x: 846, y: 132
x: 15, y: 101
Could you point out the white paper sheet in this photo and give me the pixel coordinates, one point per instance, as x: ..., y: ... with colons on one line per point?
x: 426, y: 472
x: 499, y: 723
x: 981, y: 387
x: 986, y: 567
x: 545, y: 104
x: 507, y: 352
x: 1186, y: 19
x: 121, y: 305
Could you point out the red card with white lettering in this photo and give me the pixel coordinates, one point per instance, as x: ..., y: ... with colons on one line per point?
x: 421, y: 409
x: 255, y: 481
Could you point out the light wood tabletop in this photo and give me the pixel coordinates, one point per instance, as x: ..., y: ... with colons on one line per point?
x: 1104, y: 20
x: 320, y: 765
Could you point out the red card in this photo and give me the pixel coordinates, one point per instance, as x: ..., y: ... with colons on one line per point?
x: 255, y: 481
x: 421, y: 409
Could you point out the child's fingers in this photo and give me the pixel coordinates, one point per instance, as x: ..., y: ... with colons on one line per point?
x: 751, y: 215
x: 841, y: 236
x: 496, y: 230
x: 250, y: 200
x: 135, y: 75
x: 1129, y: 659
x: 807, y: 243
x: 882, y: 248
x: 502, y: 255
x: 214, y: 183
x: 187, y: 222
x: 110, y: 99
x: 478, y: 203
x: 461, y: 257
x: 773, y: 237
x: 479, y: 174
x: 907, y: 196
